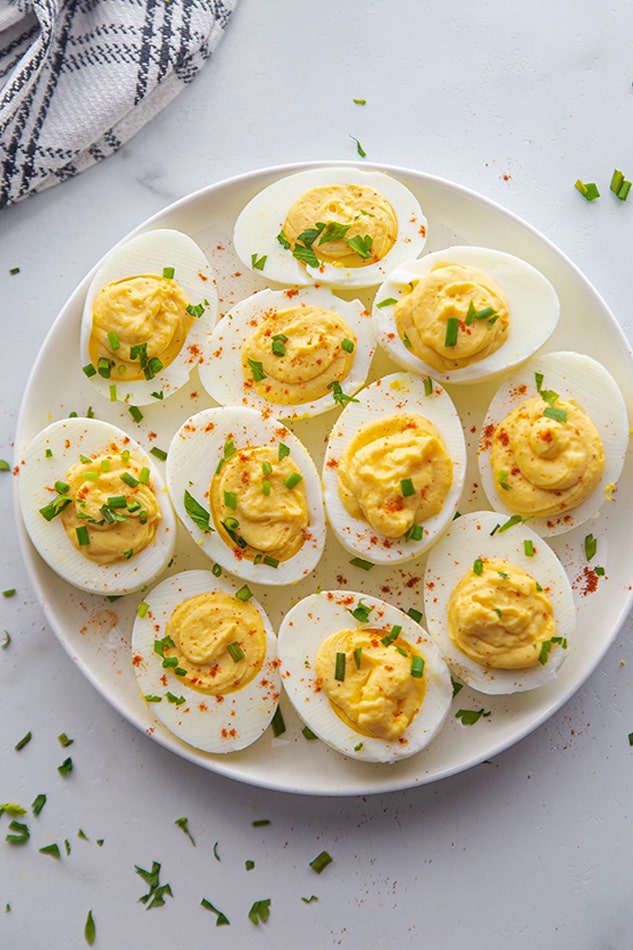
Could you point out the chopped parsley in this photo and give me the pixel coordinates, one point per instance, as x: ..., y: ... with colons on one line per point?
x: 157, y: 892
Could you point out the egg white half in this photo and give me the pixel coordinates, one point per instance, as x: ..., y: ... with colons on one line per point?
x: 192, y: 459
x: 307, y: 625
x: 214, y: 724
x: 390, y: 395
x: 533, y: 305
x: 573, y: 376
x: 66, y: 440
x: 149, y: 253
x: 221, y: 370
x: 261, y: 220
x: 481, y: 534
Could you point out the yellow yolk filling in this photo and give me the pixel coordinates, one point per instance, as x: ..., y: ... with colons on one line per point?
x: 499, y: 617
x: 294, y: 355
x: 362, y: 213
x: 395, y: 473
x: 378, y: 695
x: 453, y: 292
x: 137, y: 321
x: 259, y: 504
x: 117, y: 519
x: 217, y: 641
x: 544, y: 466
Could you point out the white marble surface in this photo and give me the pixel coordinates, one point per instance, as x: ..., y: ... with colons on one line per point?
x: 529, y: 850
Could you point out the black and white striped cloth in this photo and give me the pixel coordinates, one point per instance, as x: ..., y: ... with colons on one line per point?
x: 78, y: 78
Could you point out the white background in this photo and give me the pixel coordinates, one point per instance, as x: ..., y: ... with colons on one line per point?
x: 532, y: 849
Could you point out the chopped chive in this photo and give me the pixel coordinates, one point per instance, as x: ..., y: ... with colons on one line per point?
x: 66, y: 767
x: 230, y: 500
x: 260, y: 822
x: 9, y: 592
x: 270, y: 561
x: 308, y: 734
x: 266, y: 487
x: 278, y: 725
x: 414, y: 614
x: 528, y: 547
x: 150, y: 698
x: 428, y: 386
x: 347, y: 345
x: 89, y: 370
x: 20, y: 833
x: 266, y: 469
x: 283, y: 451
x: 216, y: 570
x: 113, y: 340
x: 414, y: 533
x: 359, y: 148
x: 260, y: 911
x: 168, y: 272
x: 407, y: 487
x: 90, y: 929
x: 236, y: 652
x: 136, y: 413
x: 511, y: 522
x: 293, y: 480
x: 176, y: 700
x: 244, y: 593
x: 183, y: 824
x: 320, y: 862
x: 38, y: 803
x: 417, y: 666
x: 478, y: 566
x: 64, y: 740
x: 452, y: 327
x: 23, y: 741
x: 358, y: 657
x: 52, y: 849
x: 588, y: 190
x: 6, y: 640
x: 361, y: 612
x: 387, y: 302
x: 359, y: 562
x: 104, y: 367
x: 339, y: 668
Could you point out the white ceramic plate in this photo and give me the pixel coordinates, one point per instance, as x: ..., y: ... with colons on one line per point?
x: 96, y: 632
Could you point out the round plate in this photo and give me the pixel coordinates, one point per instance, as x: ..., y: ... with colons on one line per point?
x: 96, y: 631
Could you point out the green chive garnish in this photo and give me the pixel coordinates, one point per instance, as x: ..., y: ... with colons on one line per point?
x: 407, y: 487
x: 320, y: 862
x: 339, y: 667
x: 278, y: 727
x: 293, y: 480
x: 236, y: 652
x: 452, y: 327
x: 417, y: 666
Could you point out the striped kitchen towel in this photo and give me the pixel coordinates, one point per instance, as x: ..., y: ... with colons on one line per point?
x: 78, y: 78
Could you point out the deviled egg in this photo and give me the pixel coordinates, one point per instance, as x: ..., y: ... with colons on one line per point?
x: 341, y: 226
x: 295, y: 352
x: 205, y: 659
x: 95, y: 506
x: 364, y: 677
x: 553, y: 442
x: 149, y: 310
x: 464, y: 313
x: 247, y: 491
x: 498, y: 603
x: 394, y: 468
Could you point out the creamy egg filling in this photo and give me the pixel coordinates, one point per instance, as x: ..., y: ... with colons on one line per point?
x: 373, y: 678
x: 259, y: 504
x: 295, y: 355
x: 395, y: 473
x: 500, y: 616
x: 107, y: 506
x: 547, y: 456
x: 214, y: 643
x: 342, y: 225
x: 139, y: 326
x: 454, y: 316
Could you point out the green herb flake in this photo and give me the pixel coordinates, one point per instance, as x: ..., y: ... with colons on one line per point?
x: 12, y: 808
x: 258, y: 263
x: 52, y: 850
x: 9, y: 592
x: 407, y: 487
x: 282, y: 451
x: 157, y: 892
x: 469, y: 717
x: 361, y: 612
x: 90, y: 929
x: 347, y: 345
x: 321, y: 861
x: 136, y: 413
x: 257, y: 370
x: 236, y: 652
x: 308, y: 734
x: 194, y: 310
x: 63, y: 740
x: 511, y: 522
x: 184, y: 825
x: 359, y: 148
x: 168, y: 273
x: 387, y: 302
x: 216, y: 853
x: 6, y: 640
x: 260, y: 822
x: 360, y: 102
x: 339, y: 667
x: 249, y: 864
x: 591, y: 546
x: 528, y: 547
x: 414, y: 614
x: 198, y: 514
x: 417, y: 666
x: 244, y: 593
x: 293, y: 480
x: 362, y: 245
x: 452, y: 328
x: 221, y: 918
x: 23, y: 741
x: 553, y: 412
x: 260, y: 911
x: 340, y: 397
